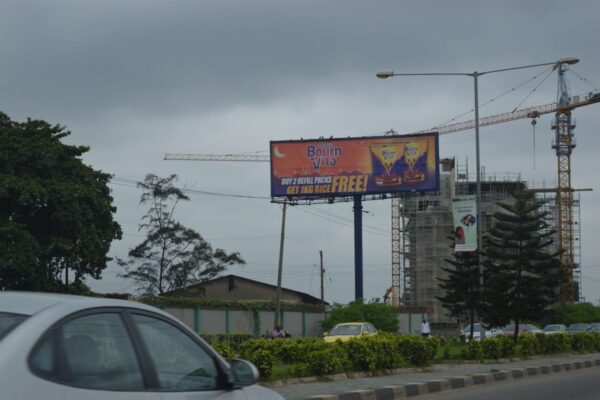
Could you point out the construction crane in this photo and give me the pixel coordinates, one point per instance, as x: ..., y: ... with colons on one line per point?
x: 563, y: 144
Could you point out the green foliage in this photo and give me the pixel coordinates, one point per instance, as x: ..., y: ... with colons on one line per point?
x: 527, y: 345
x: 325, y: 362
x: 248, y: 347
x: 572, y: 313
x: 264, y: 360
x: 232, y: 340
x: 56, y: 213
x: 507, y: 346
x: 557, y: 343
x: 521, y: 276
x: 491, y: 349
x: 361, y: 355
x: 171, y: 256
x: 382, y: 316
x: 369, y: 354
x: 416, y: 350
x: 584, y: 342
x: 225, y: 349
x: 462, y: 289
x: 472, y: 350
x: 386, y: 351
x: 387, y: 354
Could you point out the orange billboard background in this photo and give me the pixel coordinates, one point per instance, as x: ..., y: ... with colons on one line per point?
x: 368, y: 165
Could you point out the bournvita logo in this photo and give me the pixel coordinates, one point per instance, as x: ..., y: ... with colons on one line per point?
x: 323, y: 154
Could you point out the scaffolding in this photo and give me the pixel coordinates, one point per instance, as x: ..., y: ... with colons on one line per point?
x: 422, y: 228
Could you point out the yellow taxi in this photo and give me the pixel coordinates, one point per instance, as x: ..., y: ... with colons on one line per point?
x: 348, y: 330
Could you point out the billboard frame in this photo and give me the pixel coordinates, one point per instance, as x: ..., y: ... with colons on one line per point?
x: 346, y: 197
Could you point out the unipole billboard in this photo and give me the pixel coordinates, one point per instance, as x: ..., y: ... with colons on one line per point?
x: 464, y: 212
x: 306, y: 169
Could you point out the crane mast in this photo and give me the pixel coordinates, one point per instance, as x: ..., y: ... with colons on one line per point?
x: 563, y: 144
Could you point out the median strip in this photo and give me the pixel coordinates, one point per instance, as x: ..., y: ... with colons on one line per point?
x: 415, y: 389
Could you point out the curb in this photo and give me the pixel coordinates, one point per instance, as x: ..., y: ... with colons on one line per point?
x: 458, y: 382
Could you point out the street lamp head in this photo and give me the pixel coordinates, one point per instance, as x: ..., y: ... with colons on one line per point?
x: 385, y: 74
x: 569, y: 60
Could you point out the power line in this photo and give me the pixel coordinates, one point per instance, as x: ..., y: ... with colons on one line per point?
x: 533, y: 91
x: 349, y: 220
x: 581, y: 78
x: 496, y: 98
x: 309, y: 211
x: 132, y: 183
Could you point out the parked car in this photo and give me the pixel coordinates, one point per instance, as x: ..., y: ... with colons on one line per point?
x: 349, y: 330
x: 489, y: 332
x: 595, y: 327
x: 578, y: 328
x: 554, y: 328
x: 509, y: 330
x: 69, y: 347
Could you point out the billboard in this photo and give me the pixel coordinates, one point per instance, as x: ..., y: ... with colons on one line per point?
x: 464, y: 211
x: 343, y: 167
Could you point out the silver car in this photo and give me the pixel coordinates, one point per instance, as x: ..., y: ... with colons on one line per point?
x: 554, y: 328
x: 70, y: 348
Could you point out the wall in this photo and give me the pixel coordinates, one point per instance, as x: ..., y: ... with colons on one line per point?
x: 257, y: 323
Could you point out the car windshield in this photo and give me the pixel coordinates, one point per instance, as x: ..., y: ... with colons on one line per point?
x: 552, y: 328
x: 345, y: 330
x: 476, y: 327
x: 578, y: 327
x: 508, y: 329
x: 8, y: 322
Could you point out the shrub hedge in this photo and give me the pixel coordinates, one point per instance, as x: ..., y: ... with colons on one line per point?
x: 385, y: 351
x: 388, y: 351
x: 530, y: 345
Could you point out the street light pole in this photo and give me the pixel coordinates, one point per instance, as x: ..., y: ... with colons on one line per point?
x: 478, y: 185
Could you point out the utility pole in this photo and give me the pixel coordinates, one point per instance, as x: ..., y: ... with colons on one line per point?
x: 280, y: 267
x: 322, y: 275
x: 358, y: 250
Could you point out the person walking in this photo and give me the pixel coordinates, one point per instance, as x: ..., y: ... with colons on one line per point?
x: 425, y: 330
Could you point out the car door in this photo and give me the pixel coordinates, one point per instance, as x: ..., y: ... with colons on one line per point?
x: 92, y: 356
x: 184, y: 368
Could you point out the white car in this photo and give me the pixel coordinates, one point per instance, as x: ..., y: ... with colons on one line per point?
x: 71, y: 348
x: 554, y: 328
x: 492, y: 332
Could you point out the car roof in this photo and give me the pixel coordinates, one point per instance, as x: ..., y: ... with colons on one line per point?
x: 29, y: 303
x: 352, y: 323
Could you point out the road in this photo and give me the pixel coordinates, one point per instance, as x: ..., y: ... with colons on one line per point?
x: 580, y: 384
x: 439, y: 371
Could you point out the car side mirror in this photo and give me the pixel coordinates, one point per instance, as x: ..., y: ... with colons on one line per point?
x: 243, y: 372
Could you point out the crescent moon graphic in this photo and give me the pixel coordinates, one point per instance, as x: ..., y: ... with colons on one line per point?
x: 277, y: 153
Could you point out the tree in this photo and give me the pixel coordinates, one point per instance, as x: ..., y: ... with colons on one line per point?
x: 462, y: 287
x: 572, y: 313
x: 171, y: 256
x: 522, y: 276
x: 56, y: 213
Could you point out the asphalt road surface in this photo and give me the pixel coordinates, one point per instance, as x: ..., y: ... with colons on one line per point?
x: 583, y: 384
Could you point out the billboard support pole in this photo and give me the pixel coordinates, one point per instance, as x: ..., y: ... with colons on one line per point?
x: 358, y: 251
x: 280, y: 268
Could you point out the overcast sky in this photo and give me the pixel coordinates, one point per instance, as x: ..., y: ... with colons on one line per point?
x: 136, y: 79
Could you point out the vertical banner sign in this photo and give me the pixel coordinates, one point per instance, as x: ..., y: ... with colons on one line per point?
x: 464, y: 212
x: 343, y: 167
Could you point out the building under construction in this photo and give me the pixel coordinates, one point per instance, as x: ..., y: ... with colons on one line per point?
x: 422, y: 228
